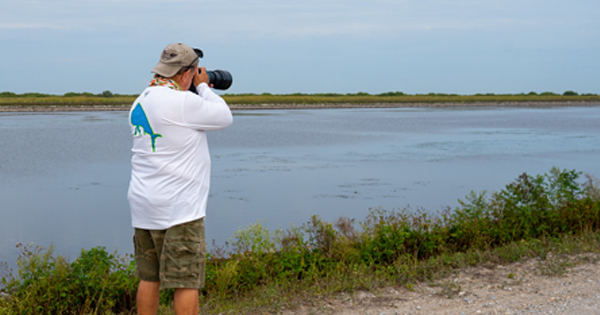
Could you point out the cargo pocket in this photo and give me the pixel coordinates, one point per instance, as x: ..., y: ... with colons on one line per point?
x: 145, y: 257
x: 182, y: 264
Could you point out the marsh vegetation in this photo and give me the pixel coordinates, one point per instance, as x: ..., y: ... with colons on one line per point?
x: 265, y: 271
x: 113, y: 99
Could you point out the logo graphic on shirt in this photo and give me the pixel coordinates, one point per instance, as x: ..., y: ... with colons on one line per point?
x: 142, y: 125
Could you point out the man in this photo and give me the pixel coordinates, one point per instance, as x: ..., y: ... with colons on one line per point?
x: 170, y: 178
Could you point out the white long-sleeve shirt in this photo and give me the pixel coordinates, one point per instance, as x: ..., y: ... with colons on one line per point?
x: 170, y: 176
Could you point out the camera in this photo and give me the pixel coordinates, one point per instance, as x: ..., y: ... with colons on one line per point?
x: 220, y: 79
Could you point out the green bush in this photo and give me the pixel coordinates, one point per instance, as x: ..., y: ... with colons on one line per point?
x: 384, y: 237
x: 96, y: 282
x: 398, y: 246
x: 397, y: 93
x: 358, y: 94
x: 531, y: 207
x: 8, y: 94
x: 84, y: 94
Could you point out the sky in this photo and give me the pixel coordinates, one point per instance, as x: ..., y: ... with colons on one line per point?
x: 309, y: 46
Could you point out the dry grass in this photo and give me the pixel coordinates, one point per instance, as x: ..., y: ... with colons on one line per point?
x: 397, y: 98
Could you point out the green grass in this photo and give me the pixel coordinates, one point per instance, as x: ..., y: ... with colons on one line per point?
x: 108, y: 98
x: 54, y: 100
x: 401, y: 98
x: 550, y: 217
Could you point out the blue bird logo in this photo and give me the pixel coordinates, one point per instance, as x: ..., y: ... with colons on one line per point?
x: 142, y: 125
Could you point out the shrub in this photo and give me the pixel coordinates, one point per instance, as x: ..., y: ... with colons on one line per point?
x: 384, y: 237
x: 7, y: 94
x: 392, y: 94
x: 49, y: 284
x: 74, y: 94
x: 398, y: 246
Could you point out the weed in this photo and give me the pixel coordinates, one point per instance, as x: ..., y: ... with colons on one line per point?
x: 450, y: 288
x: 108, y: 98
x: 96, y: 282
x: 545, y: 216
x: 554, y: 267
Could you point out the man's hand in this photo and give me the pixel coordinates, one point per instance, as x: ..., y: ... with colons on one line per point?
x: 201, y: 76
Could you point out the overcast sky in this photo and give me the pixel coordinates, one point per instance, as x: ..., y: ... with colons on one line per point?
x: 309, y: 46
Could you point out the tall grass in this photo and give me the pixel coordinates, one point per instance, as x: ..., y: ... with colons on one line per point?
x: 95, y: 283
x: 268, y: 270
x: 401, y: 98
x: 107, y: 98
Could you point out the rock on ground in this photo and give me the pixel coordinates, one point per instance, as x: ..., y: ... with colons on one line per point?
x: 519, y: 288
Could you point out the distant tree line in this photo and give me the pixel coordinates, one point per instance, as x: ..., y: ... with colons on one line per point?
x: 532, y: 93
x: 68, y: 94
x: 398, y: 93
x: 109, y: 94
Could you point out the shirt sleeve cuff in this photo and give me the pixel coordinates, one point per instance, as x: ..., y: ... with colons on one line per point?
x: 202, y: 87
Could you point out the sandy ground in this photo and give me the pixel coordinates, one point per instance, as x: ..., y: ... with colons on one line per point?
x: 62, y: 108
x: 519, y: 288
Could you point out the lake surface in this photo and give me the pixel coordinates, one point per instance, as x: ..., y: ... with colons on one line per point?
x: 64, y: 176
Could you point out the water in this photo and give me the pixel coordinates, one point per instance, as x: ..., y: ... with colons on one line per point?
x: 64, y: 176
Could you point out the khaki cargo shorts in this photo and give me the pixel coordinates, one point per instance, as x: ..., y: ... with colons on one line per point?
x: 175, y: 257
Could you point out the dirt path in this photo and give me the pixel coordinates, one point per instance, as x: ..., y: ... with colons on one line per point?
x: 519, y: 288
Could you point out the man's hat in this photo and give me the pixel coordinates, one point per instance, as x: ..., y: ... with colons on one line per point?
x: 173, y: 58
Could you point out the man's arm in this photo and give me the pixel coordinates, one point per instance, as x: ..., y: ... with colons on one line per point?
x: 207, y: 110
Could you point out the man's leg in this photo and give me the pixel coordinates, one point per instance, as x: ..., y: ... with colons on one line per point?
x: 148, y: 297
x: 186, y: 301
x: 184, y: 264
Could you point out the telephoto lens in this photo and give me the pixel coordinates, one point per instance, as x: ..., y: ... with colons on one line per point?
x: 220, y: 79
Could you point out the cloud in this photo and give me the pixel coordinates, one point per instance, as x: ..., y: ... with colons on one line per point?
x: 289, y: 20
x: 22, y: 26
x: 271, y: 19
x: 387, y: 37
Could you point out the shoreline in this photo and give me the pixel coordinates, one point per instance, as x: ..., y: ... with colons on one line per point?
x: 89, y: 108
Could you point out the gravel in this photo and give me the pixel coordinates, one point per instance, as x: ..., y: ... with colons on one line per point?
x: 519, y: 288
